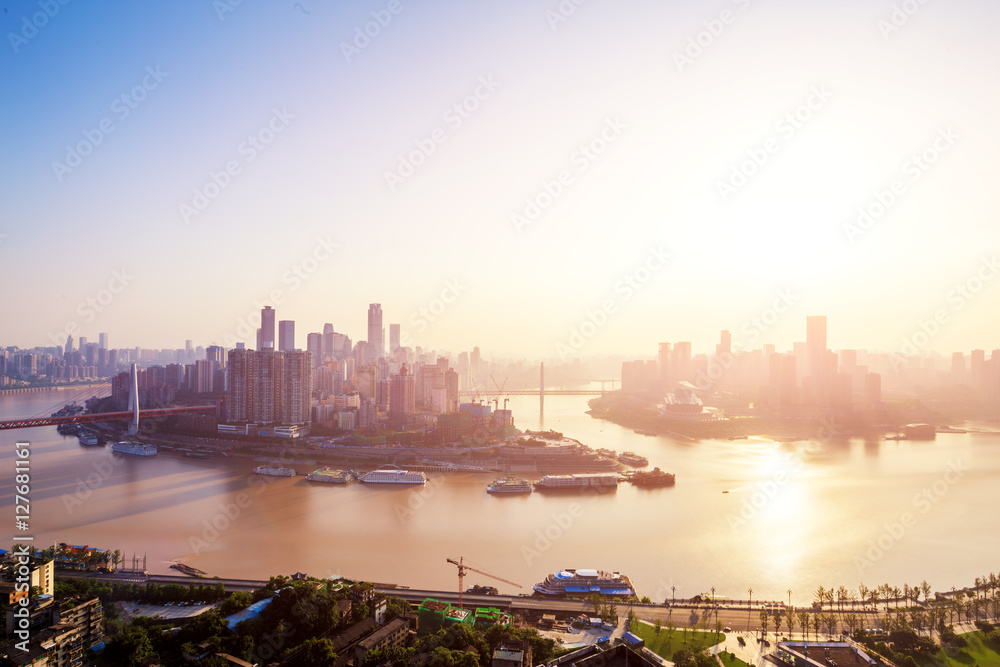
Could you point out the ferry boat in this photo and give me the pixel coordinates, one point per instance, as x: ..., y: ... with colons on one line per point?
x: 276, y: 472
x: 134, y: 448
x: 198, y: 455
x: 609, y: 453
x: 654, y: 477
x: 633, y: 459
x: 585, y: 582
x: 509, y: 484
x: 88, y: 439
x: 330, y: 476
x: 392, y: 475
x: 578, y: 481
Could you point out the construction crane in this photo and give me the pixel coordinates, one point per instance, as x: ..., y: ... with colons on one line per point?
x: 462, y: 567
x: 496, y: 401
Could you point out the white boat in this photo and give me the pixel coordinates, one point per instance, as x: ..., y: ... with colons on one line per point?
x: 276, y: 472
x: 88, y: 439
x: 509, y: 484
x: 585, y: 582
x: 134, y: 448
x: 393, y: 475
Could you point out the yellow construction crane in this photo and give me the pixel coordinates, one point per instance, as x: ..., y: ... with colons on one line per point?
x: 462, y: 567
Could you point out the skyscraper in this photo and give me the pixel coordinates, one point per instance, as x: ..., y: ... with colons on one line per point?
x: 376, y: 334
x: 286, y: 335
x: 393, y: 338
x: 402, y: 399
x: 327, y: 343
x: 266, y: 327
x: 103, y: 341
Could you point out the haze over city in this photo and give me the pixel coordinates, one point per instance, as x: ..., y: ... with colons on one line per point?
x: 238, y: 153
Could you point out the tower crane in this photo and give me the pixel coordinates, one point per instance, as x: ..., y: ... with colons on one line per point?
x: 462, y: 567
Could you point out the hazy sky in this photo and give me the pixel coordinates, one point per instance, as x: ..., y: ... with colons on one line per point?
x: 739, y: 138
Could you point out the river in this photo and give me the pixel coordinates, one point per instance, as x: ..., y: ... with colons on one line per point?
x: 796, y: 515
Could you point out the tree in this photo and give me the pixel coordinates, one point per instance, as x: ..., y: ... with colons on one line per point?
x: 657, y: 626
x: 817, y: 622
x: 314, y: 653
x: 131, y: 647
x: 763, y: 620
x: 804, y: 621
x: 671, y: 627
x: 236, y: 602
x: 645, y: 600
x: 820, y: 595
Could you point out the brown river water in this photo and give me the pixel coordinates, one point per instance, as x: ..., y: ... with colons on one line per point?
x: 796, y: 515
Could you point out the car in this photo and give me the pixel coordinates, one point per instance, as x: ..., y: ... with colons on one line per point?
x: 727, y: 629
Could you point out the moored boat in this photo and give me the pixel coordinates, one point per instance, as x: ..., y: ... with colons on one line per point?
x: 633, y: 459
x: 391, y: 474
x: 654, y: 477
x: 509, y: 484
x: 133, y: 448
x: 578, y: 482
x: 330, y: 476
x: 584, y: 583
x: 274, y: 472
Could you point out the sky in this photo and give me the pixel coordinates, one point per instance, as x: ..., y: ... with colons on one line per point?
x: 539, y: 179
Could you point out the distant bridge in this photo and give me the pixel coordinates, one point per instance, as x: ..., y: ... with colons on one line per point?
x: 101, y: 417
x: 538, y: 392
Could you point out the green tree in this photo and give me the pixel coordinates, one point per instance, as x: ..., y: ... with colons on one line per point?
x: 657, y: 626
x: 314, y: 653
x: 236, y: 602
x: 131, y: 647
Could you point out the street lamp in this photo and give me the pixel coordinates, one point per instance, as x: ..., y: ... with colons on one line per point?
x: 749, y: 605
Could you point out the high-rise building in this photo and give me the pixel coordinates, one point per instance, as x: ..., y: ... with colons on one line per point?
x: 286, y: 335
x: 393, y: 338
x: 69, y: 345
x: 328, y: 343
x: 102, y: 341
x: 314, y: 345
x: 376, y: 334
x: 816, y: 349
x: 216, y: 355
x: 266, y: 327
x: 725, y: 346
x: 402, y: 399
x: 296, y: 399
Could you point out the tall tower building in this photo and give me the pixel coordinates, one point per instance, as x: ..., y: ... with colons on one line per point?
x: 314, y: 345
x: 327, y: 343
x: 69, y: 345
x: 393, y: 338
x: 725, y: 346
x: 296, y: 401
x: 102, y: 341
x: 266, y: 327
x: 402, y: 398
x: 286, y: 335
x: 376, y: 333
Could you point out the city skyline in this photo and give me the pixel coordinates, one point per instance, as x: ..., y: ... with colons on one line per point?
x: 681, y: 172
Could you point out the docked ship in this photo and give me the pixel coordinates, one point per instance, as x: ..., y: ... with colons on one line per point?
x: 134, y: 448
x: 607, y: 453
x: 392, y: 475
x: 578, y: 482
x: 654, y: 477
x: 585, y: 582
x: 67, y: 429
x: 275, y: 472
x: 633, y: 459
x: 330, y: 476
x: 509, y: 484
x: 88, y: 438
